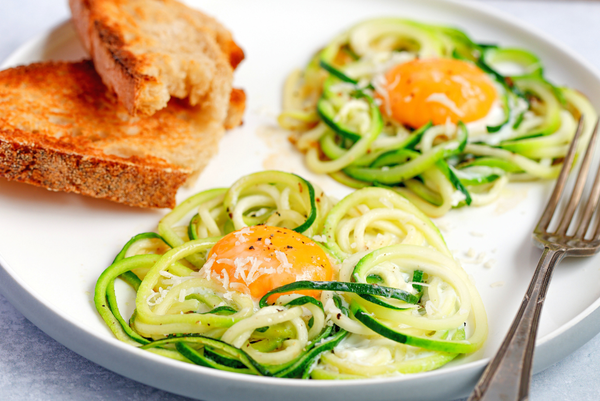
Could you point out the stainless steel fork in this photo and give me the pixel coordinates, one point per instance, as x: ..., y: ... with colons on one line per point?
x: 508, y: 374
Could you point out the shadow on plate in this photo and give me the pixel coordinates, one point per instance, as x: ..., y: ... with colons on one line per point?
x: 16, y: 193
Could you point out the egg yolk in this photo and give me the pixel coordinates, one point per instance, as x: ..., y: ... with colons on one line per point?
x: 263, y: 258
x: 436, y: 90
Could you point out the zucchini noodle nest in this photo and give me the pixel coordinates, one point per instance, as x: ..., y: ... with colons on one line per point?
x: 272, y: 277
x: 355, y: 112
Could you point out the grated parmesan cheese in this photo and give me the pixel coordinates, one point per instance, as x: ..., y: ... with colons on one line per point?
x: 319, y: 238
x: 226, y: 261
x: 442, y: 99
x: 240, y: 267
x: 207, y: 268
x: 282, y: 258
x: 239, y: 235
x: 225, y: 279
x: 182, y: 295
x: 162, y: 293
x: 306, y: 275
x: 444, y: 226
x: 239, y: 287
x: 380, y: 83
x: 457, y: 197
x: 474, y: 257
x: 252, y: 274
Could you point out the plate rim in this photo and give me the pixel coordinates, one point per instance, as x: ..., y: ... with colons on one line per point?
x: 20, y: 295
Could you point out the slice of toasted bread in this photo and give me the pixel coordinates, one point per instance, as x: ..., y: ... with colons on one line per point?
x: 150, y: 50
x: 62, y: 129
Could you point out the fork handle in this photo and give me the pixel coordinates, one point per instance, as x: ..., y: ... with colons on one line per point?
x: 508, y: 374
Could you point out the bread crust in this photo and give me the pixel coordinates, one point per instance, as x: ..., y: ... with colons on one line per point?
x: 115, y: 65
x: 57, y: 166
x: 132, y: 61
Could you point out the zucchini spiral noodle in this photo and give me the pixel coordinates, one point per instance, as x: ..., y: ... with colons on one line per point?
x: 272, y: 277
x: 425, y: 111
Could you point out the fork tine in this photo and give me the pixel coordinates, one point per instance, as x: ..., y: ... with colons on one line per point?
x: 578, y: 189
x: 592, y: 202
x: 560, y: 182
x: 596, y: 194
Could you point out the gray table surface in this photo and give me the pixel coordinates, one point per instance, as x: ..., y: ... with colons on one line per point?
x: 35, y: 367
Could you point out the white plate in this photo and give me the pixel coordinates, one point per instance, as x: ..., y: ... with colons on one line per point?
x: 53, y: 246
